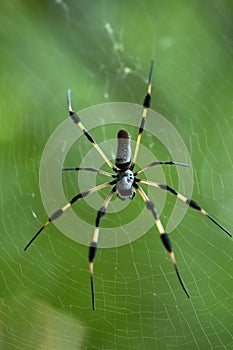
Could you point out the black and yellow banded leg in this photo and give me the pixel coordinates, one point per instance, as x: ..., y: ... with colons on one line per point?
x: 76, y: 119
x: 60, y: 211
x: 90, y: 170
x: 94, y: 243
x: 184, y: 199
x: 163, y: 235
x: 169, y: 162
x: 146, y: 106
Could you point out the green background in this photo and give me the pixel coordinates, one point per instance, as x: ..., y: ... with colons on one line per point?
x: 48, y: 46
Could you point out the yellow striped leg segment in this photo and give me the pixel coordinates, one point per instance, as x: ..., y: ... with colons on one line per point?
x: 60, y: 211
x: 146, y: 106
x: 159, y: 163
x: 76, y: 119
x: 91, y: 170
x: 163, y: 235
x: 186, y: 200
x: 94, y: 243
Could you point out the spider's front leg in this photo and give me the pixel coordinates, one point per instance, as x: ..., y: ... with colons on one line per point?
x: 60, y: 211
x: 164, y: 236
x: 184, y: 199
x: 94, y: 243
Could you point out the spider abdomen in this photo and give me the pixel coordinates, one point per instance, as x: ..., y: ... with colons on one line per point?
x: 123, y: 154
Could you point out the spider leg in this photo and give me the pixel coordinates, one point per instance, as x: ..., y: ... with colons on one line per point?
x: 186, y: 200
x: 60, y: 211
x: 77, y: 120
x: 163, y: 235
x: 169, y: 162
x: 93, y: 245
x: 146, y: 106
x: 91, y: 170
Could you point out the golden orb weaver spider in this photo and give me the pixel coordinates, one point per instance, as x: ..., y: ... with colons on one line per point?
x: 125, y: 183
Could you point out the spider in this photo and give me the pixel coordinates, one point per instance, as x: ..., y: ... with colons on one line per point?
x: 125, y: 183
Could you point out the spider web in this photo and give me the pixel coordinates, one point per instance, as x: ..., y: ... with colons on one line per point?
x: 102, y: 50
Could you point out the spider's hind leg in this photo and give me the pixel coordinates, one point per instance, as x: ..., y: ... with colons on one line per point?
x: 146, y: 106
x: 75, y: 117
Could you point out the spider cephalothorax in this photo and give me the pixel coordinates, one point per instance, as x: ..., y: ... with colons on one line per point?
x: 125, y: 182
x: 124, y: 185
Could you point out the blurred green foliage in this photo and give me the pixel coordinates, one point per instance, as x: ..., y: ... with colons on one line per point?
x: 48, y: 46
